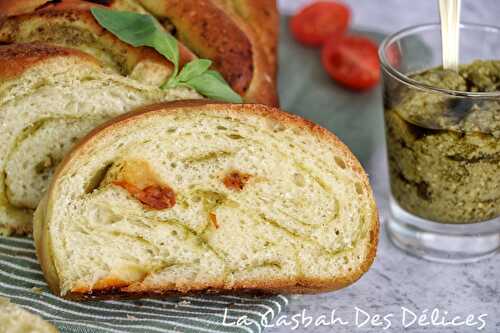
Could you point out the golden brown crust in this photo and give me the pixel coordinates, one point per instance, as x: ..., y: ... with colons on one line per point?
x: 211, y: 34
x: 46, y: 24
x: 17, y: 58
x: 16, y: 7
x: 260, y: 21
x: 103, y: 285
x: 263, y: 16
x: 258, y: 286
x: 43, y: 246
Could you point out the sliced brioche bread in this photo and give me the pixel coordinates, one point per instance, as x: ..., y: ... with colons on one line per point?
x: 240, y: 37
x: 193, y: 195
x: 49, y: 98
x: 14, y: 319
x: 76, y: 28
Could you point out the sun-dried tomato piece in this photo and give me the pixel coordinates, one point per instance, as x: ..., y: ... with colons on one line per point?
x: 157, y: 197
x: 236, y: 180
x: 154, y: 196
x: 213, y: 220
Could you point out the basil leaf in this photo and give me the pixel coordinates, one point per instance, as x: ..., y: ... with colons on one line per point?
x: 139, y: 30
x: 144, y: 30
x: 167, y: 45
x: 212, y: 85
x: 193, y: 69
x: 189, y: 71
x: 218, y: 76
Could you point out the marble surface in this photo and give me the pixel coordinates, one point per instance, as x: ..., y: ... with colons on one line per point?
x: 396, y: 280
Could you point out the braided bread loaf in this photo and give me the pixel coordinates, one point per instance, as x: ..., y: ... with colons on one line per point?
x: 240, y: 37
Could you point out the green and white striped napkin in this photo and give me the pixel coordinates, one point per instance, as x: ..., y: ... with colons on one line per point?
x: 22, y: 282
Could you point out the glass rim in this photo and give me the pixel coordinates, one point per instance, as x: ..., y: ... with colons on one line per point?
x: 403, y: 78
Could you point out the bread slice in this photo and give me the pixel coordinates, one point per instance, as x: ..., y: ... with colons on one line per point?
x: 14, y: 319
x: 194, y: 195
x: 73, y: 26
x: 240, y: 37
x: 49, y: 98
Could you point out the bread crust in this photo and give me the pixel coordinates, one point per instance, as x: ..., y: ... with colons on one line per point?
x: 9, y: 7
x: 17, y: 58
x: 310, y: 285
x: 260, y: 21
x: 44, y: 21
x: 211, y: 34
x: 243, y: 48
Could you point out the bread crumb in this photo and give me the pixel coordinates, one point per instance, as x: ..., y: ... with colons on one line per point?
x: 37, y: 290
x: 183, y: 302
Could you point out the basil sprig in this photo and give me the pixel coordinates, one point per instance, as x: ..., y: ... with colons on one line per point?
x: 144, y: 30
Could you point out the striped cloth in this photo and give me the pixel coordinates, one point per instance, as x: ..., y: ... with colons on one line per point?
x: 22, y: 282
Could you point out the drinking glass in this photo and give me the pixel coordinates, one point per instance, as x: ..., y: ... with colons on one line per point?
x: 445, y: 179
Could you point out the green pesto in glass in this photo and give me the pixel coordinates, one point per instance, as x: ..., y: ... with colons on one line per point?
x: 444, y: 149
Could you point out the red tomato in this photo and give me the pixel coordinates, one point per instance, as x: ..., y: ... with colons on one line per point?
x: 316, y: 23
x: 352, y: 61
x: 393, y: 55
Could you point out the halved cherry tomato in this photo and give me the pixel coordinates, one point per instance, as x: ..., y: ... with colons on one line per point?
x: 316, y: 23
x: 352, y: 61
x: 393, y: 54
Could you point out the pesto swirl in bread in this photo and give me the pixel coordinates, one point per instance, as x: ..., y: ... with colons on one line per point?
x: 192, y: 195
